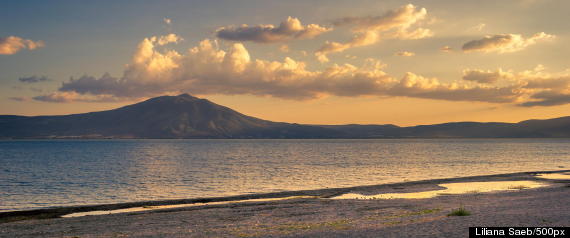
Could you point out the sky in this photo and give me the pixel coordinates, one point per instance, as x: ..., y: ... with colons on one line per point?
x: 314, y: 62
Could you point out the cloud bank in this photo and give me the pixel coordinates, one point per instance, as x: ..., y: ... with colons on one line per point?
x: 485, y: 76
x: 536, y: 87
x: 207, y: 69
x: 12, y: 44
x: 291, y: 28
x: 395, y: 24
x: 504, y: 43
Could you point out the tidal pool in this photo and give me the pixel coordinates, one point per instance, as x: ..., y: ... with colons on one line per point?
x: 452, y: 188
x: 564, y: 176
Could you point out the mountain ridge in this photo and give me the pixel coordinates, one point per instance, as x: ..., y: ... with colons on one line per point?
x: 186, y: 116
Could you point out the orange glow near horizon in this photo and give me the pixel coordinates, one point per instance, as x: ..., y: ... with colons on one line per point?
x: 338, y: 110
x: 347, y: 62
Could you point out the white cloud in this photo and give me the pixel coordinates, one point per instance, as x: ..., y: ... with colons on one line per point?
x: 363, y: 39
x: 504, y: 43
x: 12, y: 44
x: 536, y: 86
x: 396, y: 24
x: 546, y: 89
x: 167, y: 39
x: 289, y: 29
x: 413, y: 85
x: 404, y: 53
x: 207, y: 69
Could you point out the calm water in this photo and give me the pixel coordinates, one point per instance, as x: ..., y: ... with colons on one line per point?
x: 48, y: 173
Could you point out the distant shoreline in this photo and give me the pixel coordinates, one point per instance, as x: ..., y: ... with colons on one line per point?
x: 185, y: 116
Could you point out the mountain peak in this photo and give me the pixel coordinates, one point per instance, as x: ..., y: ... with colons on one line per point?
x: 186, y: 95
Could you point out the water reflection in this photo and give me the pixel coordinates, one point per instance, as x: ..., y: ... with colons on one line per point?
x: 451, y: 188
x: 55, y: 173
x: 561, y: 176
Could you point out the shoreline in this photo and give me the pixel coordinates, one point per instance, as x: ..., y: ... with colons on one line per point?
x: 545, y: 206
x: 408, y: 186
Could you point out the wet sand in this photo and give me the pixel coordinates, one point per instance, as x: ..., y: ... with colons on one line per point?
x: 320, y: 216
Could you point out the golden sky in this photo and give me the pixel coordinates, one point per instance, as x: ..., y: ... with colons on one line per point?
x: 323, y: 62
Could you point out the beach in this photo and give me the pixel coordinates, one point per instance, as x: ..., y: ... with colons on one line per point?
x: 273, y: 118
x: 317, y: 213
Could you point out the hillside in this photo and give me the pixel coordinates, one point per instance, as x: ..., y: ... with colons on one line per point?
x: 185, y: 116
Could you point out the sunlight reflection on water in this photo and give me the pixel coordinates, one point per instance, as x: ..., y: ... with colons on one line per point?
x: 48, y: 173
x: 452, y: 188
x: 560, y: 176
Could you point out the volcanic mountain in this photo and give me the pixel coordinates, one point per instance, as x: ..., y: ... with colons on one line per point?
x: 185, y: 116
x: 182, y: 116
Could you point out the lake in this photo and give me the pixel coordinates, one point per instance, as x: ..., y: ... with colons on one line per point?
x: 53, y: 173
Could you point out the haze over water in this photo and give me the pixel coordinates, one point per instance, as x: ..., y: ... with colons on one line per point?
x: 48, y: 173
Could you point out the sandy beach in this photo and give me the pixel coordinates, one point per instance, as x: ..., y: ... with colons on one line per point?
x: 316, y: 213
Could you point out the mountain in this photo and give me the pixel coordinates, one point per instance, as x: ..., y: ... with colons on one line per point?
x: 185, y: 116
x: 551, y: 128
x: 182, y: 116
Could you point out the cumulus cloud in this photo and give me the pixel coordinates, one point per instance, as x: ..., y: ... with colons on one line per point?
x: 504, y: 43
x: 405, y: 53
x: 207, y: 69
x: 413, y: 85
x: 485, y: 76
x: 395, y: 24
x: 366, y: 38
x: 34, y: 79
x: 291, y: 28
x: 536, y: 86
x: 12, y: 44
x: 546, y: 89
x: 167, y: 39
